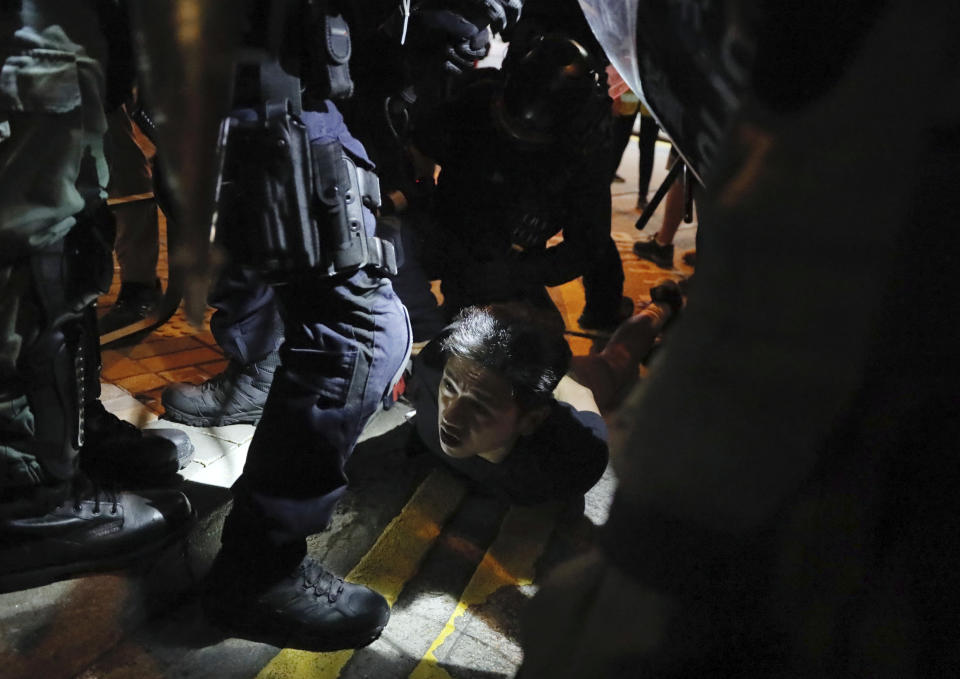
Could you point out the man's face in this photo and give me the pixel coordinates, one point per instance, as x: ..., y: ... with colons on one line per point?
x: 478, y: 414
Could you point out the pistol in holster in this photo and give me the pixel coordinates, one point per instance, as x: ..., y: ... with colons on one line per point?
x: 289, y: 206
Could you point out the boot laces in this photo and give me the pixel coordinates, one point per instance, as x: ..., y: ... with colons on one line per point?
x: 225, y: 379
x: 321, y: 581
x: 101, y: 494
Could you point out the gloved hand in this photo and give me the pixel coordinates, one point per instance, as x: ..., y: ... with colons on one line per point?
x: 448, y: 38
x: 502, y: 14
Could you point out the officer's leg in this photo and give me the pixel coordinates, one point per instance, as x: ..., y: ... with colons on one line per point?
x: 247, y: 326
x: 605, y: 307
x: 53, y: 522
x: 347, y: 338
x: 343, y: 349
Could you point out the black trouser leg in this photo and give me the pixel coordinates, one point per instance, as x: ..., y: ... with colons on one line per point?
x: 646, y: 147
x: 247, y: 323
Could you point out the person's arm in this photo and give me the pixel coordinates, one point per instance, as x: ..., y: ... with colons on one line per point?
x: 578, y: 396
x: 586, y: 226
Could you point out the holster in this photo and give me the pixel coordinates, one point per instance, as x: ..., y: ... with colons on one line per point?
x: 287, y: 207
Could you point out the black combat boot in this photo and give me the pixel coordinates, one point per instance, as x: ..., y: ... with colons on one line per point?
x: 264, y: 588
x: 91, y: 530
x: 116, y: 452
x: 607, y: 320
x: 235, y: 395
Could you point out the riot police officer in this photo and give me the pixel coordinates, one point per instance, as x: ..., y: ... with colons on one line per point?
x: 55, y: 245
x: 297, y: 195
x: 521, y: 152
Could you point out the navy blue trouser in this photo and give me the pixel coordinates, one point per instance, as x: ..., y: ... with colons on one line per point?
x: 345, y: 341
x: 247, y: 323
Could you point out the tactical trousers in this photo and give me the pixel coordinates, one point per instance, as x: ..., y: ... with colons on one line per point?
x: 52, y: 171
x: 246, y: 323
x: 346, y: 341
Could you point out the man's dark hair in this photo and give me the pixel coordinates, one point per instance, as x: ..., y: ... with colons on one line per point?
x: 516, y: 342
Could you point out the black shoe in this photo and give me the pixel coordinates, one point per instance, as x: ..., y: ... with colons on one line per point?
x: 235, y: 395
x: 608, y: 321
x: 116, y: 452
x: 134, y: 303
x: 652, y: 251
x: 92, y: 531
x: 309, y: 609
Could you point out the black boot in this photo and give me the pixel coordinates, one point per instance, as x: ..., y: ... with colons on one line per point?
x: 308, y: 608
x: 607, y: 320
x: 115, y: 451
x: 92, y: 530
x: 263, y: 588
x: 235, y: 395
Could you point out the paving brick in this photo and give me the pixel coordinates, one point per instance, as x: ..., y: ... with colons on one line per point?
x: 116, y: 367
x: 135, y: 413
x: 190, y: 373
x: 222, y: 472
x: 206, y: 337
x: 142, y: 383
x: 180, y: 359
x: 214, y: 368
x: 109, y: 391
x: 160, y: 347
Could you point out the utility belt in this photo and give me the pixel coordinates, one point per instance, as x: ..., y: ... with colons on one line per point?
x: 287, y: 206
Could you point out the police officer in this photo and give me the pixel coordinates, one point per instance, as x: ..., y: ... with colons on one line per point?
x: 521, y: 153
x: 293, y: 173
x: 55, y: 242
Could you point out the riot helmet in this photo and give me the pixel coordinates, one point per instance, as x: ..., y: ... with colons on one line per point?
x: 554, y: 94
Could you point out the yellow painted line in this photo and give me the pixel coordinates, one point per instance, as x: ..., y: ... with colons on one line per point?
x: 386, y: 567
x: 509, y: 561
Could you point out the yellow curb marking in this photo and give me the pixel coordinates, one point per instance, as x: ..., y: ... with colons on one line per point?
x: 509, y: 561
x: 386, y: 568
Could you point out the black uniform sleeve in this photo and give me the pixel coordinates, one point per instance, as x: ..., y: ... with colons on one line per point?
x: 586, y: 226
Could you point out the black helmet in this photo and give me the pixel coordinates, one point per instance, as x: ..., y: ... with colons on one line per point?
x: 554, y: 94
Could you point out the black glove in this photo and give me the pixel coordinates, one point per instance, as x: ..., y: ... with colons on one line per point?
x: 502, y: 14
x: 447, y: 38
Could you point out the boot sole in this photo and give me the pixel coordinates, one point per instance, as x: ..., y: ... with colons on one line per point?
x: 247, y: 417
x: 240, y: 629
x: 15, y: 582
